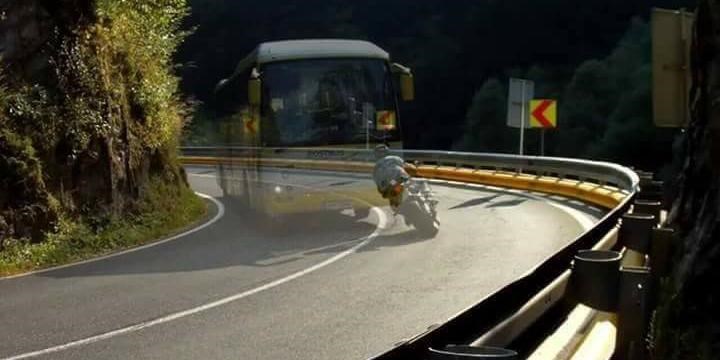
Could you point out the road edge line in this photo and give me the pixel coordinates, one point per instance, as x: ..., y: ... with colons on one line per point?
x: 382, y: 222
x: 220, y: 213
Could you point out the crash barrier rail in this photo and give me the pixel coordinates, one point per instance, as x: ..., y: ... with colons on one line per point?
x: 599, y: 183
x: 616, y: 289
x: 507, y: 316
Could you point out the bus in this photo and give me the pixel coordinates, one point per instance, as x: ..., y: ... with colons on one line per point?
x: 309, y: 94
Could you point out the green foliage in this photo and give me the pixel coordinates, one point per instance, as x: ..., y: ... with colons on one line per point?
x: 80, y: 142
x: 485, y: 121
x: 144, y: 35
x: 26, y: 207
x: 452, y: 46
x: 116, y: 76
x: 203, y: 130
x: 604, y: 109
x: 163, y: 209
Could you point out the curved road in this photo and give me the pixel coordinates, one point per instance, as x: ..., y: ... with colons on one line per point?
x: 329, y: 288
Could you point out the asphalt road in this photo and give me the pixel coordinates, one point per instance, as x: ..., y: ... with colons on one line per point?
x: 328, y: 287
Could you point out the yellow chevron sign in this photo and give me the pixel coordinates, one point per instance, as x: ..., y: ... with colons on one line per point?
x: 386, y: 120
x: 543, y: 113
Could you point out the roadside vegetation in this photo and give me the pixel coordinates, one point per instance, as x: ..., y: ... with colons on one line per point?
x: 164, y: 210
x: 604, y: 108
x: 462, y: 53
x: 90, y: 121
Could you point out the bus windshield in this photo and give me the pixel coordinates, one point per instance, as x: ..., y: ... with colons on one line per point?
x: 327, y: 102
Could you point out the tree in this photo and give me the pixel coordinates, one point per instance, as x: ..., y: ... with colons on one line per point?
x: 485, y: 128
x: 453, y: 47
x: 606, y: 108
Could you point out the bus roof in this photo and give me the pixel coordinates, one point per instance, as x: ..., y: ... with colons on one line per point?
x: 317, y: 49
x: 272, y: 51
x: 311, y: 49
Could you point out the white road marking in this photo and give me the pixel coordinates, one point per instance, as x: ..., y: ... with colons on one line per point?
x: 585, y: 221
x: 220, y: 214
x: 286, y: 255
x: 382, y: 221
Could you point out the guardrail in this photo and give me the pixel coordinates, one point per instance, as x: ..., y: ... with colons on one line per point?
x: 505, y: 315
x: 601, y: 173
x: 600, y: 183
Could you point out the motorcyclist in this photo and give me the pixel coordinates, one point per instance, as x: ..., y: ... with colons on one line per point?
x: 390, y: 167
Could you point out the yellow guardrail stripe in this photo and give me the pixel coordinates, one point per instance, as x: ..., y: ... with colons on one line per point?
x: 603, y: 196
x: 606, y: 197
x: 565, y: 341
x: 600, y: 341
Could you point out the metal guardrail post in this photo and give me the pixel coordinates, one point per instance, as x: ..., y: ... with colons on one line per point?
x: 652, y: 190
x: 595, y: 278
x: 633, y: 313
x: 651, y: 207
x: 635, y: 231
x: 645, y: 177
x: 660, y: 251
x: 636, y: 234
x: 608, y: 281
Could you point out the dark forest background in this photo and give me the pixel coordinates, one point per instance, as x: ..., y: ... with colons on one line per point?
x: 593, y: 56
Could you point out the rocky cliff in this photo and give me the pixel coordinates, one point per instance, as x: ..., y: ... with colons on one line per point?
x: 688, y: 320
x: 89, y: 110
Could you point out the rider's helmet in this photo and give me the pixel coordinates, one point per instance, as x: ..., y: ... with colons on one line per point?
x: 381, y: 151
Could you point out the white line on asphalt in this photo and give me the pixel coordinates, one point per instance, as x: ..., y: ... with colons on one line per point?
x: 585, y: 222
x: 382, y: 221
x: 284, y: 256
x: 220, y: 213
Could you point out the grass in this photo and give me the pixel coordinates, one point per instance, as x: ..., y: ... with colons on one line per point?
x: 164, y: 210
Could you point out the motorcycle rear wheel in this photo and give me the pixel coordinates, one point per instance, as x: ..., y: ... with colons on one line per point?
x: 423, y: 221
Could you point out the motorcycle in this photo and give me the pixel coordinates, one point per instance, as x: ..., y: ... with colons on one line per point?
x: 416, y: 204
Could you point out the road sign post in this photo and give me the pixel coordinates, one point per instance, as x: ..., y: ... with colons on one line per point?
x: 520, y: 91
x: 522, y: 120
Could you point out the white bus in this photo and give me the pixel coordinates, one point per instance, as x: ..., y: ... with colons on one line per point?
x: 309, y: 94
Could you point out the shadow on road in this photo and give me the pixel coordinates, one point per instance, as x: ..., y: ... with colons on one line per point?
x: 240, y: 238
x: 507, y: 203
x: 243, y: 239
x: 475, y: 202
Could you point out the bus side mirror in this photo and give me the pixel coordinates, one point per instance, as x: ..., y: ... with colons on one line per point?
x: 254, y: 91
x: 407, y: 87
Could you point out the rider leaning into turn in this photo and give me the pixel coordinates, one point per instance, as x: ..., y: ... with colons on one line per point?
x: 390, y: 167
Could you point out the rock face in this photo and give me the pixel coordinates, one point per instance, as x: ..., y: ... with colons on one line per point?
x: 27, y: 26
x: 24, y: 29
x: 688, y: 318
x: 89, y: 110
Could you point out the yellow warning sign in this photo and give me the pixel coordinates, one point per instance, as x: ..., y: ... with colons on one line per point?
x: 250, y: 124
x: 543, y: 113
x: 386, y: 120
